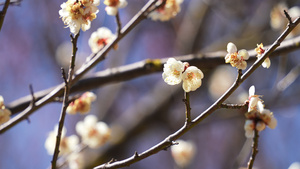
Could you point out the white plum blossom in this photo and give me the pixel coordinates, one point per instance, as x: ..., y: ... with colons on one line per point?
x: 76, y: 161
x: 236, y: 58
x: 82, y: 104
x: 67, y: 144
x: 4, y: 113
x: 253, y: 99
x: 183, y: 153
x: 168, y: 10
x: 260, y: 51
x: 93, y: 133
x: 192, y: 79
x: 112, y: 6
x: 257, y: 117
x: 172, y: 72
x: 78, y: 14
x: 100, y: 38
x: 175, y: 71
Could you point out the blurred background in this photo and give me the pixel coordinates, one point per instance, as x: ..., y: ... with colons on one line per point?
x: 141, y: 112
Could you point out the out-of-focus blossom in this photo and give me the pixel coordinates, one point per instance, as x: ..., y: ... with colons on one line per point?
x: 93, y: 133
x: 76, y: 161
x: 100, y: 38
x: 192, y: 79
x: 82, y: 104
x: 294, y: 165
x: 168, y: 10
x: 4, y: 113
x: 175, y: 71
x: 257, y: 117
x: 183, y: 153
x: 67, y: 144
x: 112, y: 6
x: 172, y: 72
x: 236, y: 58
x: 279, y: 21
x: 260, y: 51
x: 78, y: 14
x: 249, y: 128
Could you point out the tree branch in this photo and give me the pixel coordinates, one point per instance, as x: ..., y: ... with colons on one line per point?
x: 68, y: 83
x: 58, y: 91
x: 254, y: 149
x: 167, y: 142
x: 3, y: 12
x: 123, y: 73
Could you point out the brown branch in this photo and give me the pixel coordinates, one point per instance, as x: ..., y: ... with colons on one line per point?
x: 119, y: 26
x: 254, y: 149
x: 123, y: 73
x: 233, y: 106
x: 68, y: 83
x: 168, y: 141
x: 3, y: 12
x: 187, y: 107
x: 58, y: 91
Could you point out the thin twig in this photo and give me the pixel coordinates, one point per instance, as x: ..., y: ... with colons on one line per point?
x: 233, y: 106
x: 127, y: 72
x: 254, y: 149
x: 58, y: 91
x: 186, y: 100
x: 13, y: 2
x: 32, y: 95
x: 3, y: 12
x: 168, y: 141
x: 119, y: 25
x: 68, y: 83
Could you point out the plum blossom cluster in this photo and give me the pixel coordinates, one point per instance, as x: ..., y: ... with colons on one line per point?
x: 175, y: 71
x: 183, y: 153
x: 4, y: 113
x: 260, y: 51
x: 169, y: 9
x: 112, y: 6
x: 78, y: 14
x: 82, y: 104
x: 67, y: 144
x: 257, y: 117
x: 236, y: 58
x: 100, y: 38
x: 93, y: 134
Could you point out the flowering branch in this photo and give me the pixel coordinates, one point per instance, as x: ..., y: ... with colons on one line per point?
x: 3, y: 12
x: 168, y: 141
x: 254, y: 149
x: 58, y: 91
x: 68, y: 83
x: 142, y: 68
